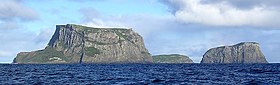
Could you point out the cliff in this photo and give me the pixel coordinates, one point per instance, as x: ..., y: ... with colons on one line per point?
x: 245, y: 52
x: 79, y: 44
x: 173, y: 58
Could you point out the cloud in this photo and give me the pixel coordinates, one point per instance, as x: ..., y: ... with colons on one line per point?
x: 246, y: 4
x: 14, y: 35
x: 21, y: 40
x: 165, y: 35
x: 43, y: 36
x: 12, y: 12
x: 142, y: 23
x: 9, y: 25
x: 89, y: 14
x: 223, y: 13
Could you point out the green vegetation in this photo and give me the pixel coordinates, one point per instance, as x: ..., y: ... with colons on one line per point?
x: 91, y: 51
x: 48, y: 53
x: 173, y: 58
x: 21, y: 58
x: 42, y: 56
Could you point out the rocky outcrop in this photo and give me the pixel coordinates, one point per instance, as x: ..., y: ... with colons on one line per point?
x: 173, y: 58
x: 245, y: 52
x: 79, y: 44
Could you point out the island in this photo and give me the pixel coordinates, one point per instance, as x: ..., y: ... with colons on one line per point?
x: 171, y: 58
x: 80, y: 44
x: 244, y: 52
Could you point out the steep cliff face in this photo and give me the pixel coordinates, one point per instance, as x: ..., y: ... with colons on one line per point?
x: 245, y: 52
x: 79, y: 44
x: 173, y: 58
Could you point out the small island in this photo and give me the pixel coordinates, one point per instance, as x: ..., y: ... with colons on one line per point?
x: 244, y: 52
x: 172, y: 58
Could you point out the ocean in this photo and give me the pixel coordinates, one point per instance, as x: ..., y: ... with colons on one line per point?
x: 120, y: 74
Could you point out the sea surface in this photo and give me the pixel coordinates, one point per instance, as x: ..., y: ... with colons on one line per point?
x: 139, y: 74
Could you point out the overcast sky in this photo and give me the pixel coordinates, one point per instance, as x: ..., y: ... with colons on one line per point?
x: 188, y: 27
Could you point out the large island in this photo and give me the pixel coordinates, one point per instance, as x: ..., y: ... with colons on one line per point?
x: 80, y: 44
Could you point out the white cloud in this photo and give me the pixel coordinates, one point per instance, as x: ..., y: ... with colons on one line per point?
x: 14, y: 36
x: 21, y: 40
x: 141, y: 23
x: 12, y: 9
x: 13, y: 12
x: 246, y: 4
x: 163, y: 35
x: 222, y: 14
x: 44, y: 36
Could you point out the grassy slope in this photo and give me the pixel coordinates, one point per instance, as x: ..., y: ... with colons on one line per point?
x: 42, y: 56
x: 173, y: 58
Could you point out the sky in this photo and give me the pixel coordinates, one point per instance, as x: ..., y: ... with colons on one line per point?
x: 188, y: 27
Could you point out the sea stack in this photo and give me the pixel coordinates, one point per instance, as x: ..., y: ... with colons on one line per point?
x: 80, y: 44
x: 172, y: 58
x: 245, y: 52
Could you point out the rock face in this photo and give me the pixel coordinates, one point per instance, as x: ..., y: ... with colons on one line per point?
x: 245, y: 52
x: 79, y: 44
x: 173, y: 58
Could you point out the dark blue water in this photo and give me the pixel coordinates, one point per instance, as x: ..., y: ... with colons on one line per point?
x: 140, y: 74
